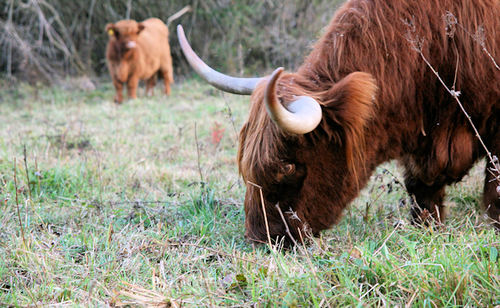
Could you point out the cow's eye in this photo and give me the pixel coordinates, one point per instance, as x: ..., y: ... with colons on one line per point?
x: 289, y: 169
x: 286, y: 169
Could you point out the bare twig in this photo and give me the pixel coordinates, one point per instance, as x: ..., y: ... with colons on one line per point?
x: 26, y: 49
x: 478, y: 37
x: 68, y: 47
x: 214, y: 18
x: 17, y: 202
x: 177, y: 15
x: 9, y: 42
x: 37, y: 52
x: 417, y: 45
x: 198, y: 152
x: 455, y: 95
x: 88, y: 34
x: 89, y: 20
x: 311, y: 265
x: 217, y: 150
x: 304, y: 251
x: 27, y: 171
x: 384, y: 243
x: 38, y: 174
x: 231, y: 118
x: 129, y: 9
x: 286, y: 225
x: 264, y: 211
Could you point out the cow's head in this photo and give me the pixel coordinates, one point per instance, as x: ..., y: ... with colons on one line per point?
x: 301, y: 149
x: 123, y: 34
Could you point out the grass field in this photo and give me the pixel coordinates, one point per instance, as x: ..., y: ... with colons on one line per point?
x: 141, y: 205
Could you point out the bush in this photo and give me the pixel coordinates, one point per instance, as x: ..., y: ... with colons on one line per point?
x: 46, y: 40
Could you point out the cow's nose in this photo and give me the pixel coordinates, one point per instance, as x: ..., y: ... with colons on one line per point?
x: 131, y: 44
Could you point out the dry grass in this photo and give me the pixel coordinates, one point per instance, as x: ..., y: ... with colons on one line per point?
x: 118, y: 216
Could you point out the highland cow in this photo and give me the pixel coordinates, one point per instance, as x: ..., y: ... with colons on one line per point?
x: 138, y: 51
x: 367, y: 94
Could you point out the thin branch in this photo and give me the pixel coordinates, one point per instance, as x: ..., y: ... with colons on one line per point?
x: 38, y: 174
x: 311, y: 265
x: 27, y: 171
x: 478, y: 37
x: 17, y: 202
x: 264, y: 211
x: 198, y: 152
x: 67, y: 48
x: 231, y: 118
x: 177, y: 15
x: 286, y: 225
x: 88, y: 28
x: 9, y: 42
x: 129, y: 9
x: 417, y: 45
x: 304, y: 251
x: 455, y: 95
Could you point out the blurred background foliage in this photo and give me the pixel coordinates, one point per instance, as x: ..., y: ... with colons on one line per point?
x: 50, y: 40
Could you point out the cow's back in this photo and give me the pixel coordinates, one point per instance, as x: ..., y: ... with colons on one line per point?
x: 153, y: 41
x: 156, y: 28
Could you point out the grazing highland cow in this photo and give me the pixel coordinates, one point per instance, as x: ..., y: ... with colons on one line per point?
x: 366, y: 95
x: 138, y: 51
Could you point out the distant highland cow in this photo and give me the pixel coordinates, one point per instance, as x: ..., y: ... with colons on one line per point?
x: 137, y: 51
x: 365, y: 95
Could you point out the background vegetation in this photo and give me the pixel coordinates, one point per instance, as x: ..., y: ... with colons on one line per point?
x: 45, y: 40
x: 141, y: 205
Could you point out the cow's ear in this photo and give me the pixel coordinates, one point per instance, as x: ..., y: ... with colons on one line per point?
x: 352, y: 100
x: 110, y: 29
x: 351, y: 107
x: 141, y: 27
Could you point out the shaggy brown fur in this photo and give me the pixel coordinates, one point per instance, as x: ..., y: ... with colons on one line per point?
x: 380, y: 101
x: 137, y: 51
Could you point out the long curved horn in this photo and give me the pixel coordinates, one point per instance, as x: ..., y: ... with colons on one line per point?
x: 244, y: 86
x: 299, y: 117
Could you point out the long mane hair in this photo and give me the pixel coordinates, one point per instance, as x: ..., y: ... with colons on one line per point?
x: 386, y: 40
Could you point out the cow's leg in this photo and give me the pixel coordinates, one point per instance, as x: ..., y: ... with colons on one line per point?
x: 427, y: 201
x: 119, y: 91
x: 132, y: 84
x: 150, y: 84
x: 168, y: 77
x: 491, y: 195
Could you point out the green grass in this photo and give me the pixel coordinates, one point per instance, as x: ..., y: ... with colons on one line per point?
x: 140, y: 204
